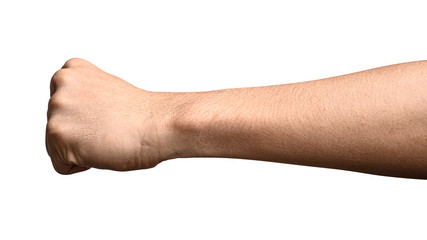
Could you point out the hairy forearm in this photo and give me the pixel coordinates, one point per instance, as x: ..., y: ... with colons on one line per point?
x: 373, y: 121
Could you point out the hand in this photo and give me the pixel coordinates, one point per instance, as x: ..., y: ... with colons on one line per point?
x: 98, y: 120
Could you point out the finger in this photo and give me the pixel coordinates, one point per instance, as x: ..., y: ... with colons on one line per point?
x: 52, y: 87
x: 48, y: 150
x: 49, y: 109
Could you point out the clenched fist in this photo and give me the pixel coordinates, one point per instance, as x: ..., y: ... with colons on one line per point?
x: 98, y: 120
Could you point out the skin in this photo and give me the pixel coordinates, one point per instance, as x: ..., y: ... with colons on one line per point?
x: 374, y: 121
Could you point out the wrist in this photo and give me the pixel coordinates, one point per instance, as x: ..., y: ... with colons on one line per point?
x: 205, y: 125
x: 175, y: 123
x: 187, y: 122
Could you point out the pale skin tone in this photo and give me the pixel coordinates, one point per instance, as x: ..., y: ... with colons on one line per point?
x: 374, y: 121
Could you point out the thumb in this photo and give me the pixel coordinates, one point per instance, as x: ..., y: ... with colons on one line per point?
x: 59, y: 166
x: 66, y: 169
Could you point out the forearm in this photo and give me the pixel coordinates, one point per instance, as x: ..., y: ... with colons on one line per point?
x: 372, y: 121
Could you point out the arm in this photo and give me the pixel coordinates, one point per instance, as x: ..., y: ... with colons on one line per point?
x: 373, y: 121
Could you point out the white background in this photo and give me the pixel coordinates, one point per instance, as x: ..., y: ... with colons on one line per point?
x: 194, y: 46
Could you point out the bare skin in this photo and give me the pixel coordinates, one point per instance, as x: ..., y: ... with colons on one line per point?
x: 373, y: 121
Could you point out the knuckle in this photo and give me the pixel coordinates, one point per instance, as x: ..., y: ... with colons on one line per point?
x: 57, y: 102
x: 74, y: 62
x: 59, y: 130
x: 54, y: 129
x: 61, y: 76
